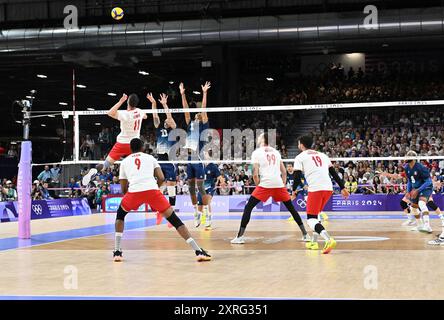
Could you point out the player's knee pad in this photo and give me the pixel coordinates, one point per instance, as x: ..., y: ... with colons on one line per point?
x: 171, y: 191
x: 121, y: 214
x: 423, y: 206
x: 312, y: 222
x: 432, y: 205
x: 404, y: 205
x: 175, y: 220
x: 201, y: 188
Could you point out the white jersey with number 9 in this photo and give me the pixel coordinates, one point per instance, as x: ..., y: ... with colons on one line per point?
x: 315, y: 167
x: 269, y: 160
x: 138, y: 169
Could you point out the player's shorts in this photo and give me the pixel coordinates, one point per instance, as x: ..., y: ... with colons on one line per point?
x: 426, y: 193
x: 154, y: 198
x: 278, y: 194
x: 169, y: 171
x: 195, y: 170
x: 119, y: 150
x: 210, y: 191
x: 316, y: 201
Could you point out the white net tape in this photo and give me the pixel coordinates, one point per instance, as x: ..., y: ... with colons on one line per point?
x: 78, y: 114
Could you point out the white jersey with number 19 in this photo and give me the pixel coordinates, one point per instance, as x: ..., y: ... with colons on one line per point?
x: 130, y: 123
x: 138, y: 169
x: 315, y: 167
x: 269, y: 160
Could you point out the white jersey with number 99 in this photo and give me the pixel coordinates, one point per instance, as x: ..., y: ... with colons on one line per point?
x: 315, y: 166
x: 269, y: 161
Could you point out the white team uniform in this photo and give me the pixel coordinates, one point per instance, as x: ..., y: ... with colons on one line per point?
x: 130, y: 124
x: 269, y: 160
x: 138, y: 169
x: 315, y: 166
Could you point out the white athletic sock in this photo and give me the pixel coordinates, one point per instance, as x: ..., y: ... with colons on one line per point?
x: 426, y: 220
x: 315, y: 237
x: 325, y: 235
x: 410, y: 216
x: 205, y: 210
x: 193, y: 244
x: 118, y: 240
x: 441, y: 216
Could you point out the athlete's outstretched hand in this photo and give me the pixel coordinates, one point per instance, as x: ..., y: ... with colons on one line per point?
x: 123, y: 99
x: 345, y: 193
x: 182, y: 88
x: 163, y: 99
x: 150, y: 97
x: 206, y: 86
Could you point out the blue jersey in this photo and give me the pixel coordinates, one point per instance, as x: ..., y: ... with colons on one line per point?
x: 194, y: 131
x: 211, y: 174
x: 418, y: 177
x: 163, y: 144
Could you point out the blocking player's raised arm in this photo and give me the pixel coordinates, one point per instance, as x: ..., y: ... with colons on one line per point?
x: 113, y: 112
x: 205, y: 88
x: 170, y: 120
x: 184, y: 103
x: 156, y: 119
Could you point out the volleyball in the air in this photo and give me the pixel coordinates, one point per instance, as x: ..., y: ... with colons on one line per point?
x: 117, y: 13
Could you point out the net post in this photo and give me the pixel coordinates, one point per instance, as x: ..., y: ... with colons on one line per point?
x: 24, y: 185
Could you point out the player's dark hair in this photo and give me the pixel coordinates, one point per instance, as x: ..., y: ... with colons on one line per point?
x: 306, y: 141
x: 136, y: 145
x: 133, y: 100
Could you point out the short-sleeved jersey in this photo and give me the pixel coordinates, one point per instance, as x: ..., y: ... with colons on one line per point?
x: 418, y: 175
x: 315, y: 166
x: 269, y: 161
x: 138, y: 169
x: 211, y: 174
x: 130, y: 123
x: 163, y: 145
x: 194, y: 131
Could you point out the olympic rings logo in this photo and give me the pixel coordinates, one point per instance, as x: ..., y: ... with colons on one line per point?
x: 301, y: 203
x: 37, y: 208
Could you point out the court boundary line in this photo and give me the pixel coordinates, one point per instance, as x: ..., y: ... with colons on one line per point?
x: 151, y: 223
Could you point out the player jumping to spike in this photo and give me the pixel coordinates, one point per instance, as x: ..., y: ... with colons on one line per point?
x: 317, y: 169
x: 270, y: 177
x: 130, y: 124
x: 143, y: 175
x: 194, y: 144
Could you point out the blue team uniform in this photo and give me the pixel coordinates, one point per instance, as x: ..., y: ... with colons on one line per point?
x: 419, y: 178
x: 211, y: 174
x: 194, y: 130
x: 163, y: 148
x: 300, y: 188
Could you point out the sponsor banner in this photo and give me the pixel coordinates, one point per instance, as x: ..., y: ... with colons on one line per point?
x: 42, y: 209
x: 236, y: 203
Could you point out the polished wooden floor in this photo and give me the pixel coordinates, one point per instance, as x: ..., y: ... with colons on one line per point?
x: 375, y: 258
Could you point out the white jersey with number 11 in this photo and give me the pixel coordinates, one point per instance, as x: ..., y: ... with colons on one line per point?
x: 315, y: 166
x: 130, y: 123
